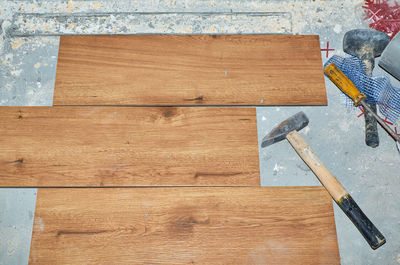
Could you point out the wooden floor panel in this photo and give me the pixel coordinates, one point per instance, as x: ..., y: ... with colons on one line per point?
x: 128, y: 146
x: 241, y: 225
x: 190, y: 70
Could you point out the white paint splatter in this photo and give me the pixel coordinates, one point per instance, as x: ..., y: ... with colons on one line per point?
x: 278, y: 168
x: 337, y: 29
x: 16, y: 72
x: 306, y: 130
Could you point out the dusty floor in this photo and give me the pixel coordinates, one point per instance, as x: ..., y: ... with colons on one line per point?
x: 27, y: 72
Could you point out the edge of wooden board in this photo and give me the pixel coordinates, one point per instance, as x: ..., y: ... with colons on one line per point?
x: 182, y: 217
x: 193, y: 97
x: 128, y: 146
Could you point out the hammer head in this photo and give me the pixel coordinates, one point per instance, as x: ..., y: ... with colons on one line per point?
x: 296, y: 122
x: 364, y: 43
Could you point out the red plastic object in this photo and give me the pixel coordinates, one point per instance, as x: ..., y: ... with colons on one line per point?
x: 383, y: 15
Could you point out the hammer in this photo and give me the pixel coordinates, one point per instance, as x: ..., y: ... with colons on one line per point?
x: 367, y: 44
x: 288, y: 129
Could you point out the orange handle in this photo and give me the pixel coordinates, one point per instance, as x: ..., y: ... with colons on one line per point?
x: 344, y: 83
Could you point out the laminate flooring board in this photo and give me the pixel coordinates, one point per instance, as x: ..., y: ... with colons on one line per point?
x: 190, y: 70
x: 128, y: 146
x: 184, y: 225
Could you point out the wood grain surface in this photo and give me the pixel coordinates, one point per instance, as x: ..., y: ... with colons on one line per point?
x: 128, y: 146
x: 242, y: 225
x: 190, y: 70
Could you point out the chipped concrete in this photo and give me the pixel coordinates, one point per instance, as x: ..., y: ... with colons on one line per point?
x: 151, y: 23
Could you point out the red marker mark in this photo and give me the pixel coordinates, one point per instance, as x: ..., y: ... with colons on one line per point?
x: 362, y: 112
x: 388, y: 122
x: 395, y: 131
x: 384, y: 15
x: 327, y: 49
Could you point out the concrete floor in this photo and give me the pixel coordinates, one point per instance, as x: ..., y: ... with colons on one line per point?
x: 27, y: 72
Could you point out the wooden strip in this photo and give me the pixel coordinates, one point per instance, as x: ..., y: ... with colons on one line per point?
x: 190, y: 70
x: 275, y: 225
x: 127, y: 146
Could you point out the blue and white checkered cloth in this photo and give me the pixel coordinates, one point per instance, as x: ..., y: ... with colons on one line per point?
x: 377, y: 89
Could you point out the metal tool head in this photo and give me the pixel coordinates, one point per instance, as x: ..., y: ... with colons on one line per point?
x: 390, y: 60
x: 362, y: 42
x: 296, y: 122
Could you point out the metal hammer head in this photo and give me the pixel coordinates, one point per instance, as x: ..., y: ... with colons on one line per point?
x: 296, y: 122
x: 366, y: 44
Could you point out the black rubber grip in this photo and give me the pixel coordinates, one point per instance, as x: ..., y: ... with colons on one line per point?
x: 371, y: 234
x: 371, y: 129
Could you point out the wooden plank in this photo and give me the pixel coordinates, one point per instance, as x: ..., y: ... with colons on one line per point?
x: 128, y: 146
x: 275, y: 225
x: 190, y: 70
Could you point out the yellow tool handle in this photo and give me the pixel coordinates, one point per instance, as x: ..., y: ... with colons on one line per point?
x: 344, y: 83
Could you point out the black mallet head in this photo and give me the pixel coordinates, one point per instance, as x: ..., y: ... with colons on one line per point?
x: 296, y: 122
x: 366, y: 44
x: 358, y: 42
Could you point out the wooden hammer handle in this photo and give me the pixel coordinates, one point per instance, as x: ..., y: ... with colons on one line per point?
x: 332, y: 185
x: 371, y: 234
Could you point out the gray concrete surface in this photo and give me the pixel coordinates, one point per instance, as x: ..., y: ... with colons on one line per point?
x: 27, y: 72
x: 17, y: 209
